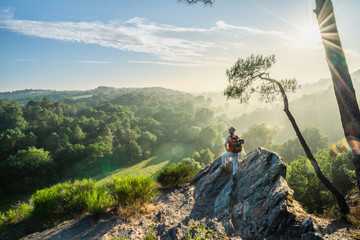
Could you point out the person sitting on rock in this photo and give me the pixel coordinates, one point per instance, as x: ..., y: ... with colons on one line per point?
x: 233, y: 146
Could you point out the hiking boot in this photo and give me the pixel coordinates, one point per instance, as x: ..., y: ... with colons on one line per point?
x: 234, y: 177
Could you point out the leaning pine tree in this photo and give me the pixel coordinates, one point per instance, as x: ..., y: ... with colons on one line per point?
x: 251, y: 75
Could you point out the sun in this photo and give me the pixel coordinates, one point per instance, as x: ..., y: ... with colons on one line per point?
x: 308, y: 37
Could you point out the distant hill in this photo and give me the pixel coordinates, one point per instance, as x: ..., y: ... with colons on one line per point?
x: 24, y: 96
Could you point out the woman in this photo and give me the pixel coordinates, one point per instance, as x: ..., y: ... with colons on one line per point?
x: 230, y: 151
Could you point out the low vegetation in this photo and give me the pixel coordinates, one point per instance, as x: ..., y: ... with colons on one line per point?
x: 97, y: 201
x: 66, y: 200
x: 200, y: 232
x: 16, y: 214
x: 177, y: 174
x: 131, y: 190
x: 61, y: 200
x: 150, y: 234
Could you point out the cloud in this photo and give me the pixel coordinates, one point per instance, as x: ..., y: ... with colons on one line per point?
x: 25, y: 60
x: 7, y: 13
x: 93, y: 62
x: 168, y: 63
x: 217, y: 45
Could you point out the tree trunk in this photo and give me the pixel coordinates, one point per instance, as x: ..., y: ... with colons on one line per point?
x: 344, y: 208
x: 343, y: 87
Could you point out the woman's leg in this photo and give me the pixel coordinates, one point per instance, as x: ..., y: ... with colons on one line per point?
x: 235, y: 162
x: 224, y: 156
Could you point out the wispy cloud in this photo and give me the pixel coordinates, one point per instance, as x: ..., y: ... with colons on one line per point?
x: 92, y: 62
x: 173, y: 45
x: 74, y: 61
x: 168, y: 63
x: 7, y: 13
x: 25, y: 60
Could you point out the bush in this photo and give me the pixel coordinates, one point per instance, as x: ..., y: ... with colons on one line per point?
x: 192, y: 162
x: 176, y: 174
x: 97, y: 201
x: 131, y: 190
x: 65, y: 199
x: 15, y: 214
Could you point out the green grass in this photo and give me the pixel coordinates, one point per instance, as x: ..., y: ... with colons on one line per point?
x: 165, y: 155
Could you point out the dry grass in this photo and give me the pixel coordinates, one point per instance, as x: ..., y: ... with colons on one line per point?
x: 137, y: 211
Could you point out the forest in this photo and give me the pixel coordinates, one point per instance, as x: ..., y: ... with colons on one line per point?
x: 49, y: 137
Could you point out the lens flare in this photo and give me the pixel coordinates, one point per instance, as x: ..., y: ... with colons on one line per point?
x: 334, y: 149
x: 345, y: 144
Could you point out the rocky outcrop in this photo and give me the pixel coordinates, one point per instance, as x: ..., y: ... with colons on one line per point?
x: 255, y: 203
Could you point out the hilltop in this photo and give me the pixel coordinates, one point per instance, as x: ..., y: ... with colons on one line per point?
x: 257, y: 204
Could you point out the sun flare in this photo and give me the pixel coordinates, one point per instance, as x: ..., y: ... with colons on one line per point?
x: 308, y: 37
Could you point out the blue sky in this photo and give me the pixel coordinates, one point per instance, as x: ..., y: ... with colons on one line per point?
x: 82, y: 44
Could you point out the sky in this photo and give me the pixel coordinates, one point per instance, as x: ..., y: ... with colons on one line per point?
x: 83, y: 44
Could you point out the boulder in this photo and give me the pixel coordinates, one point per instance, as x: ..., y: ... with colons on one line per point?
x: 255, y: 203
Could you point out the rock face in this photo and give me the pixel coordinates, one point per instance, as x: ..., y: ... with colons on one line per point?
x: 256, y: 203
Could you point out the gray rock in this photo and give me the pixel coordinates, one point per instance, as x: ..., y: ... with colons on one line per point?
x: 254, y: 205
x: 311, y: 236
x: 307, y: 226
x: 172, y: 234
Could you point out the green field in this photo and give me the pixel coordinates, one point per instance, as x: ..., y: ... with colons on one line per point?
x: 165, y: 155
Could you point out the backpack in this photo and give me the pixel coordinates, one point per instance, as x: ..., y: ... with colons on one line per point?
x: 236, y: 144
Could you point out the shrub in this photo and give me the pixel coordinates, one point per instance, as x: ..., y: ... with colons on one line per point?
x: 176, y: 174
x: 200, y: 232
x: 192, y: 162
x: 97, y: 201
x: 131, y: 190
x: 15, y: 214
x: 64, y: 199
x: 150, y: 234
